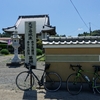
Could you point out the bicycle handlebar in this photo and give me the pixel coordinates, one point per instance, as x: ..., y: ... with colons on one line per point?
x: 78, y: 66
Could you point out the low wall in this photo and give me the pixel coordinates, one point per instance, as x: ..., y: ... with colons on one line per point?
x: 64, y: 70
x: 61, y: 58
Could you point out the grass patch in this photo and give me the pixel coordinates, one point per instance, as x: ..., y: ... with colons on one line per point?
x: 41, y: 58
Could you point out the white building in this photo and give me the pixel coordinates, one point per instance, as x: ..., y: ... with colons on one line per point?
x: 43, y: 27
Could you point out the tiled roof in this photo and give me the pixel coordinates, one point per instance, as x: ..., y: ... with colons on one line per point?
x: 41, y: 20
x: 81, y: 40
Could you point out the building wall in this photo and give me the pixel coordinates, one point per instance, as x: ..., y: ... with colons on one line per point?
x: 61, y: 58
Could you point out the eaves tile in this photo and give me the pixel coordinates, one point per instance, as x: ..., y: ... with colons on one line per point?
x: 82, y: 40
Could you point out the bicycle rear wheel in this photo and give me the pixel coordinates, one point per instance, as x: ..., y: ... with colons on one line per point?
x: 97, y: 84
x: 23, y: 81
x: 74, y: 84
x: 52, y: 81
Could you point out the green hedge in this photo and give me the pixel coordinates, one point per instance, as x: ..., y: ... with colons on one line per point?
x: 11, y: 49
x: 39, y: 43
x: 39, y: 51
x: 4, y: 51
x: 6, y: 46
x: 3, y: 46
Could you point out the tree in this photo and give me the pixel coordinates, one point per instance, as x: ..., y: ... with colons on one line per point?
x: 5, y: 34
x: 96, y: 33
x: 57, y: 35
x: 39, y: 43
x: 0, y: 35
x: 93, y: 33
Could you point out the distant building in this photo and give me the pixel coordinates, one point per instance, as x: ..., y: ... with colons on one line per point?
x: 5, y: 40
x: 43, y: 27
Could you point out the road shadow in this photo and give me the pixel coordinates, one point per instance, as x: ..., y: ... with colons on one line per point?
x: 30, y: 95
x: 14, y: 65
x: 63, y: 94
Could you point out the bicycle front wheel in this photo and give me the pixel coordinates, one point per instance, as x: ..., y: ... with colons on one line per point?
x: 25, y: 80
x: 97, y: 84
x: 52, y: 81
x: 74, y: 84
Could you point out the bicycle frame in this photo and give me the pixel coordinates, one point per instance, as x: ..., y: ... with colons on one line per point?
x: 40, y: 81
x: 90, y: 83
x: 25, y: 80
x: 80, y: 75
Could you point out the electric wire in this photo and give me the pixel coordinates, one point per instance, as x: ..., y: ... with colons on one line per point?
x: 95, y: 25
x: 78, y: 13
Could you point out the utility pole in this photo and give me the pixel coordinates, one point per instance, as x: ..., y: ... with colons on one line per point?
x: 90, y: 28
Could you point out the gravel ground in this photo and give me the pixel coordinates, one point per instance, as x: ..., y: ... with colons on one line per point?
x: 9, y: 91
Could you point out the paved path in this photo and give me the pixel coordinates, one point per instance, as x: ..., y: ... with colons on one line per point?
x: 9, y: 91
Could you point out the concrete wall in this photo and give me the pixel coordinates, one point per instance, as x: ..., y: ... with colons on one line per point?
x: 61, y: 58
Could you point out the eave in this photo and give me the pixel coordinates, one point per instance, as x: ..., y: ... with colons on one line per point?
x: 72, y: 42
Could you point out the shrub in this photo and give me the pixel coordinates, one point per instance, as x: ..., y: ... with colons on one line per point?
x: 4, y: 51
x: 39, y: 43
x: 39, y: 51
x: 3, y: 46
x: 10, y: 49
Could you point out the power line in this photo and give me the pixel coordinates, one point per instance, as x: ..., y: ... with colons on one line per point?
x: 95, y: 25
x: 78, y: 13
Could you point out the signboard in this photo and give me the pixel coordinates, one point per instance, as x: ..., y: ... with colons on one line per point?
x: 30, y: 42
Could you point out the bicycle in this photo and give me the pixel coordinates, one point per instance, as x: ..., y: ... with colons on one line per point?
x: 50, y: 80
x: 74, y: 80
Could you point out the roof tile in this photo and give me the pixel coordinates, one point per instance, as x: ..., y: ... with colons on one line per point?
x: 73, y: 40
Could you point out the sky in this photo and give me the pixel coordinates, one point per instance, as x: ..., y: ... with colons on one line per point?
x: 63, y: 15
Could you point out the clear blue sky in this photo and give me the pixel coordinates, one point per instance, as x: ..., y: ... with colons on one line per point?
x: 61, y: 12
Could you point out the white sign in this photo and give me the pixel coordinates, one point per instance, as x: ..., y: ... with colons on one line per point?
x: 30, y: 42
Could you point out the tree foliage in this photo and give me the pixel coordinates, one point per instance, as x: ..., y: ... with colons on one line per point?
x: 5, y: 34
x: 57, y: 35
x: 4, y: 51
x: 39, y: 43
x: 93, y: 33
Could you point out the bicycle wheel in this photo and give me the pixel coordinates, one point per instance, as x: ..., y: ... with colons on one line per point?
x: 52, y: 81
x: 97, y: 84
x: 23, y: 80
x: 74, y: 84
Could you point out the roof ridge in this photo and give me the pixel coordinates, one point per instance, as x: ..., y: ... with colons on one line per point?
x: 32, y: 16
